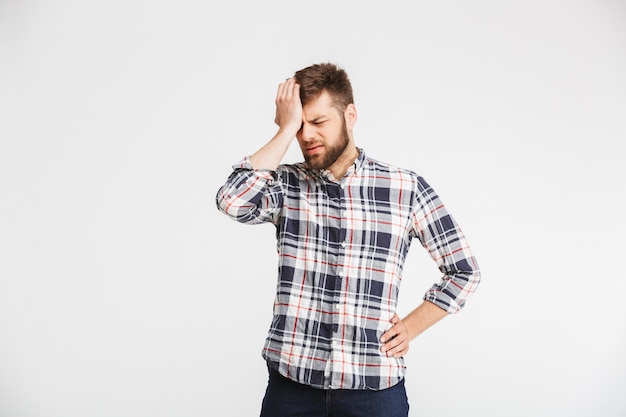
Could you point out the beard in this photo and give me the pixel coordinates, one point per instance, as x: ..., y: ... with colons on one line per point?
x: 333, y: 152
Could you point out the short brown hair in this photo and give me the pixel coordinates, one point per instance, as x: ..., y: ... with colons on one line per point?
x: 328, y: 77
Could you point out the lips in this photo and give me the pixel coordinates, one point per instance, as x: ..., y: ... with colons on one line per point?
x: 311, y: 150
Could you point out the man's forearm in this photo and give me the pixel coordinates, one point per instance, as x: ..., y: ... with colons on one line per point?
x: 424, y: 316
x: 270, y: 155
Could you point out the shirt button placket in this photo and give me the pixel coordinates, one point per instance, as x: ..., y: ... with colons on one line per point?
x: 336, y: 354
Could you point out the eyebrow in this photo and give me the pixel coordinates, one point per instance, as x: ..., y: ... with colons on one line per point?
x: 317, y: 119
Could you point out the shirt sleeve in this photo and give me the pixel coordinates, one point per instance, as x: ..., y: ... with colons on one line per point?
x: 442, y: 237
x: 249, y: 195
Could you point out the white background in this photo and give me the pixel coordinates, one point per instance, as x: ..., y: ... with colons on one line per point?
x: 124, y: 292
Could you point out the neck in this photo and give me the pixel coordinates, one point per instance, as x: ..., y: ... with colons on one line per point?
x: 347, y: 158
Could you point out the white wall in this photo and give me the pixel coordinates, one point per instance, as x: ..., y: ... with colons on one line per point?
x: 123, y: 291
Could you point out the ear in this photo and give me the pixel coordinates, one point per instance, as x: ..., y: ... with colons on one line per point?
x: 350, y: 115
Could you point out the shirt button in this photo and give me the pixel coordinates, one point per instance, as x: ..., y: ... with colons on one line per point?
x: 340, y: 273
x: 343, y: 244
x: 337, y: 306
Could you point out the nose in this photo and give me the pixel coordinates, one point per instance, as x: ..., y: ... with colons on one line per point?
x: 307, y: 133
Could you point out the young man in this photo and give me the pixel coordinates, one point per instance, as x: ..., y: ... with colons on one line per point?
x: 344, y: 223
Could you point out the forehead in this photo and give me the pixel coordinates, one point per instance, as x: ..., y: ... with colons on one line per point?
x: 321, y: 105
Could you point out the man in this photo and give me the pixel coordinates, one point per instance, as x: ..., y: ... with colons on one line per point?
x: 344, y: 223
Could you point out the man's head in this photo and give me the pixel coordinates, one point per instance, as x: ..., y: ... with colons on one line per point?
x: 329, y: 115
x: 327, y: 77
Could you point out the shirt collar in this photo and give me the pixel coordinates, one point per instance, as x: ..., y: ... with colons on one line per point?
x: 356, y: 167
x: 359, y: 161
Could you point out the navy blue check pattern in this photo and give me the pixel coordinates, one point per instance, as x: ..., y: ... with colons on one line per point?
x: 341, y: 250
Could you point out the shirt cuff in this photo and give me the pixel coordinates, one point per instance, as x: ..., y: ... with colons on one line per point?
x: 246, y: 164
x: 443, y: 301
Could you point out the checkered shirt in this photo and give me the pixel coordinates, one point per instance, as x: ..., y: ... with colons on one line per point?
x: 341, y: 250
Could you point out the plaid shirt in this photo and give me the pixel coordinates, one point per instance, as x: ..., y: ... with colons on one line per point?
x: 341, y: 250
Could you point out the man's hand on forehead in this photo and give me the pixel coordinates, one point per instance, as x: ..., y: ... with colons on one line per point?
x: 288, y: 105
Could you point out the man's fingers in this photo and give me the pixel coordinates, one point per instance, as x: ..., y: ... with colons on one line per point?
x: 399, y: 350
x: 395, y: 347
x: 393, y: 331
x: 288, y: 90
x: 288, y: 105
x: 389, y: 334
x: 396, y: 341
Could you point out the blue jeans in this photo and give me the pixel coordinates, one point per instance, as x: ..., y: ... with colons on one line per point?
x: 286, y: 398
